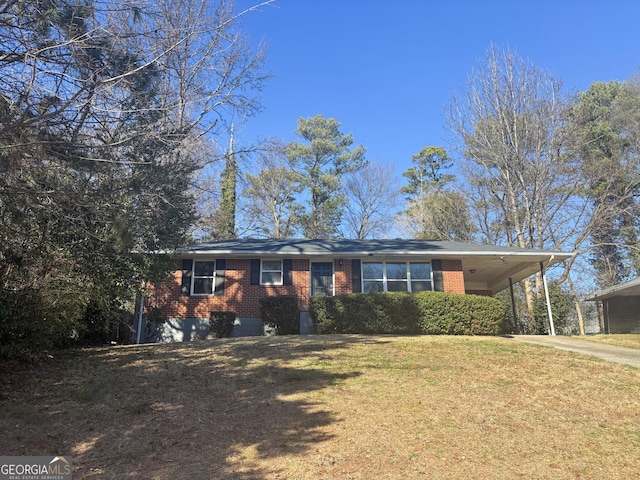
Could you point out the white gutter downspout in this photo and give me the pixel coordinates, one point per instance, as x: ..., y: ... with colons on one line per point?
x: 552, y: 330
x: 139, y: 333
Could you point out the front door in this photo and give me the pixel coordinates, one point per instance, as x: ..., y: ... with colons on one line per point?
x: 321, y: 279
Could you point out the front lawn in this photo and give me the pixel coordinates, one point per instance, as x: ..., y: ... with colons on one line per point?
x: 328, y: 407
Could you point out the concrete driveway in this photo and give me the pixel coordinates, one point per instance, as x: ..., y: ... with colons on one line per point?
x: 627, y: 356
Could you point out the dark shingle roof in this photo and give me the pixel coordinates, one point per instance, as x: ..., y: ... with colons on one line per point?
x: 385, y: 247
x: 484, y: 266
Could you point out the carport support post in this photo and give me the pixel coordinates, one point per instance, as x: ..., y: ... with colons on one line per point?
x: 552, y: 330
x: 513, y: 307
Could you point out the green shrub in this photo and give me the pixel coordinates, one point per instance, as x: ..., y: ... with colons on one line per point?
x: 281, y: 313
x: 365, y: 313
x: 31, y: 323
x: 105, y: 321
x: 455, y: 314
x: 561, y: 305
x: 221, y: 323
x: 430, y: 313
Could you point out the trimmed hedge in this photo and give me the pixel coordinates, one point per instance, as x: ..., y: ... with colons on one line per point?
x: 455, y: 314
x: 431, y: 313
x: 365, y: 313
x: 281, y: 313
x: 221, y: 323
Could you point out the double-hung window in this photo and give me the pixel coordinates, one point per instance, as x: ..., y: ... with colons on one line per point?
x: 204, y: 277
x: 396, y: 277
x: 271, y: 272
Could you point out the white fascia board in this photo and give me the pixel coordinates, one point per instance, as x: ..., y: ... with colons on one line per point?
x: 616, y: 290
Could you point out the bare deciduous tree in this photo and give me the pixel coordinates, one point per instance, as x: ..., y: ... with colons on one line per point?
x: 208, y: 73
x: 372, y: 201
x: 270, y: 207
x: 510, y: 122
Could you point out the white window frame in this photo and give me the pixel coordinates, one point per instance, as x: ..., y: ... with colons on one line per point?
x: 363, y: 279
x: 384, y: 278
x: 410, y: 279
x: 212, y: 277
x: 263, y: 270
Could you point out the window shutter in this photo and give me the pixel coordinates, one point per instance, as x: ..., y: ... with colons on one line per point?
x: 255, y: 271
x: 219, y: 285
x: 356, y: 276
x: 187, y: 269
x: 436, y: 267
x: 287, y: 271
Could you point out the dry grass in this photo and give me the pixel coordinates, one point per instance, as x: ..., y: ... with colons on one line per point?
x: 329, y: 407
x: 619, y: 340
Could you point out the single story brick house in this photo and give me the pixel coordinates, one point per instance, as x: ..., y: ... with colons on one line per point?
x: 620, y: 307
x: 233, y: 275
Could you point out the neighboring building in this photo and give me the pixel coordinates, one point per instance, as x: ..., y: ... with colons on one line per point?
x: 233, y: 275
x: 620, y: 307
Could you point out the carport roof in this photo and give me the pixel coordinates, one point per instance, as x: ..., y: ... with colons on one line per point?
x: 629, y: 288
x: 488, y: 265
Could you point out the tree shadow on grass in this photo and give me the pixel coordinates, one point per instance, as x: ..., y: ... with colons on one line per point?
x: 233, y: 408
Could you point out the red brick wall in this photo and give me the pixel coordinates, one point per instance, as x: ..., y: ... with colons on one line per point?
x: 452, y: 276
x: 343, y: 278
x: 239, y: 295
x: 244, y: 299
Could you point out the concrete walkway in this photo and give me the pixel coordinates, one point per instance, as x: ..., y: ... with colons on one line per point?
x: 627, y: 356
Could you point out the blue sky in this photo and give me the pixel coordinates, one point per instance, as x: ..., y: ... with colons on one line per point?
x: 386, y: 69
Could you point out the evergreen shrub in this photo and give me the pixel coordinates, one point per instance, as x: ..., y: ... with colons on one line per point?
x: 281, y: 313
x: 221, y: 323
x: 365, y: 313
x: 455, y: 314
x: 431, y: 313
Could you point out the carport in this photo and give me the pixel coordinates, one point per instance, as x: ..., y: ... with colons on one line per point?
x: 620, y: 307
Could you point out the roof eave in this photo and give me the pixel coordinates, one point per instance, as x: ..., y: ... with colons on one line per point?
x: 631, y: 287
x: 537, y: 254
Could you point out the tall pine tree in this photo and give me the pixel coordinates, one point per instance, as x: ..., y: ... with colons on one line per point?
x: 321, y: 161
